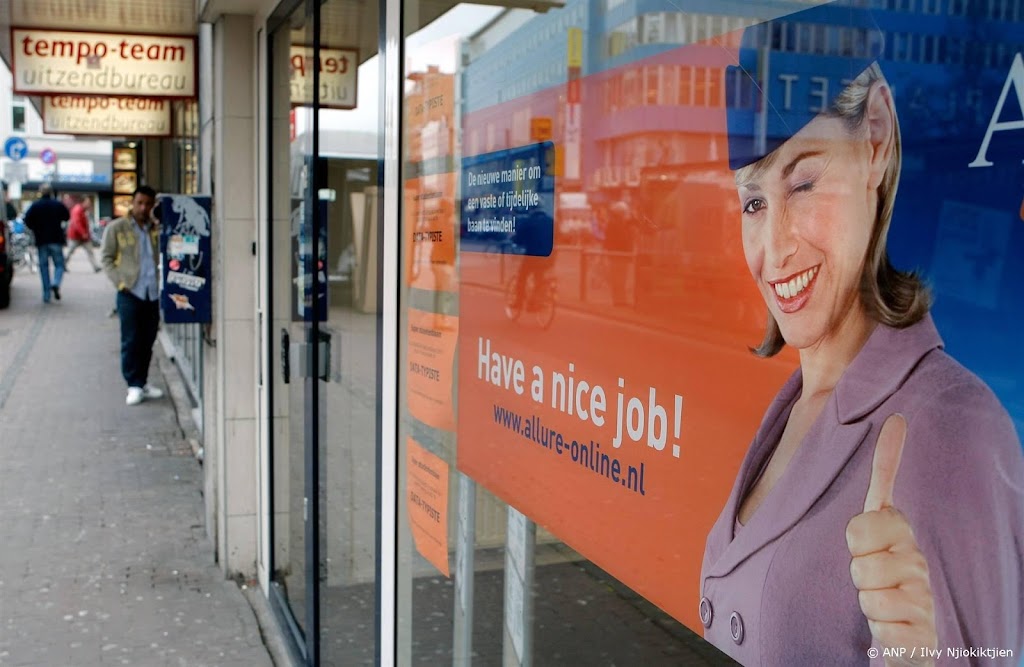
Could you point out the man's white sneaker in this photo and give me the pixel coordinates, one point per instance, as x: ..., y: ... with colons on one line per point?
x: 149, y: 391
x: 134, y: 396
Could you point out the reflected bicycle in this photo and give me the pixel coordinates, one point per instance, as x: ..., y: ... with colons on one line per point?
x: 538, y: 301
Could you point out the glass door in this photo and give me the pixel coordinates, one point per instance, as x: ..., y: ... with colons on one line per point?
x: 349, y: 439
x: 326, y: 258
x: 292, y: 306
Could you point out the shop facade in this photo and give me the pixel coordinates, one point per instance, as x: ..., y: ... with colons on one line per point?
x: 526, y: 216
x: 478, y: 382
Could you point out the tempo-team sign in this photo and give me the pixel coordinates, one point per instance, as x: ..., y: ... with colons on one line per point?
x: 115, y: 116
x: 337, y: 76
x: 95, y: 63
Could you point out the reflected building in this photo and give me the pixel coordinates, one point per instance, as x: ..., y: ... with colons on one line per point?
x: 659, y: 68
x: 638, y: 116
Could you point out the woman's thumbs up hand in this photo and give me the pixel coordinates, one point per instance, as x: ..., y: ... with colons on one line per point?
x: 888, y: 568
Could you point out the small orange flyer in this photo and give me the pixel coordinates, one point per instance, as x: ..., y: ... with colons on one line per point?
x: 431, y: 368
x: 430, y: 224
x: 427, y: 496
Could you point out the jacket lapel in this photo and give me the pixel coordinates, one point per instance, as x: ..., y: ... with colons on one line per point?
x: 768, y: 434
x: 820, y: 458
x: 878, y: 371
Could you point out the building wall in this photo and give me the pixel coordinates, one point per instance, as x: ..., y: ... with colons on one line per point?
x: 233, y: 136
x: 235, y: 358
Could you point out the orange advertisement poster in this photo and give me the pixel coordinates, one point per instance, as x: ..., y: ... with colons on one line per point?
x: 427, y: 496
x: 431, y: 359
x: 695, y: 387
x: 430, y: 229
x: 618, y: 422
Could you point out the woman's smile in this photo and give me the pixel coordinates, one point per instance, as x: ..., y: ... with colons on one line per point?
x: 793, y: 292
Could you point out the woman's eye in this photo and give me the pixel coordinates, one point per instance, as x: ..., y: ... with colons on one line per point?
x: 804, y: 187
x: 753, y: 206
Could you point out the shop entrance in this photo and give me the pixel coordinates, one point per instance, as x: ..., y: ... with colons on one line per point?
x: 323, y: 242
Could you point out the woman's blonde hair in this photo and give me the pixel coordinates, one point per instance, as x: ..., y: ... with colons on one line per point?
x: 895, y: 298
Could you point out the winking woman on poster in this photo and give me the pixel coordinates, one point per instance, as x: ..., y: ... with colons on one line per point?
x: 878, y: 514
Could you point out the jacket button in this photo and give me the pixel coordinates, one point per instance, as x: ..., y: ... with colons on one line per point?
x: 736, y: 627
x: 706, y: 613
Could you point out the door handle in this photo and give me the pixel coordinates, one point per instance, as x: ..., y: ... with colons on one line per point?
x: 300, y: 356
x: 324, y: 344
x: 286, y: 366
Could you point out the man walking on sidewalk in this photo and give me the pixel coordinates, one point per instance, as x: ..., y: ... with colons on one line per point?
x: 129, y: 253
x: 46, y: 217
x: 78, y: 233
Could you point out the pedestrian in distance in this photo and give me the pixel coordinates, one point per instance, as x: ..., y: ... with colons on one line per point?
x: 129, y: 254
x: 620, y: 242
x: 10, y: 209
x: 46, y: 218
x: 78, y: 233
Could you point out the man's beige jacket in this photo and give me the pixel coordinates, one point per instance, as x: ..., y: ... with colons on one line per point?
x: 120, y: 251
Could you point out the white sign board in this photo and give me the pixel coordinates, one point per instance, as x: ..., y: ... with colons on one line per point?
x: 98, y: 63
x: 16, y: 172
x: 519, y: 547
x: 337, y: 76
x: 115, y: 116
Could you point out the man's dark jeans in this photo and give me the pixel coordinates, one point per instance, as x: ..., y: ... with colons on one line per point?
x: 139, y: 323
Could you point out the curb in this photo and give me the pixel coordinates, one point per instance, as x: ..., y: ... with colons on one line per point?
x: 179, y: 397
x: 270, y: 629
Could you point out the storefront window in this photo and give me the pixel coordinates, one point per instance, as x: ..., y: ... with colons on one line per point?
x: 480, y: 579
x: 18, y: 113
x: 623, y: 277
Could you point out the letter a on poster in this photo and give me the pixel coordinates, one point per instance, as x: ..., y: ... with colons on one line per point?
x: 427, y: 495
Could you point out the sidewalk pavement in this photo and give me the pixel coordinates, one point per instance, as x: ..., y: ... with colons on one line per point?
x: 104, y: 558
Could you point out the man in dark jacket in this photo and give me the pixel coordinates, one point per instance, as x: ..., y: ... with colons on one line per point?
x: 46, y: 218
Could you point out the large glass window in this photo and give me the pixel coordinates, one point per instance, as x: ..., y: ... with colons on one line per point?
x: 669, y: 281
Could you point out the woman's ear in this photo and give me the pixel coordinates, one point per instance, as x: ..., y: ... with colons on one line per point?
x: 881, y: 120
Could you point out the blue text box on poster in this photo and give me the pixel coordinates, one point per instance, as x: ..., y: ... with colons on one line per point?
x: 508, y: 199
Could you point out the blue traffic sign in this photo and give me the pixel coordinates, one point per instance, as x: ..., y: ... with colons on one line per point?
x: 15, y: 148
x: 47, y: 156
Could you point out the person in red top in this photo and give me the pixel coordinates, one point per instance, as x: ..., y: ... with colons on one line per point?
x: 78, y: 233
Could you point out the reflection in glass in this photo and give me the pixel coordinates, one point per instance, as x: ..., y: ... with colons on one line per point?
x: 348, y: 200
x: 651, y: 297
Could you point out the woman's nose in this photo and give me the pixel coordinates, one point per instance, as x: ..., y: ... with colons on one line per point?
x: 782, y: 239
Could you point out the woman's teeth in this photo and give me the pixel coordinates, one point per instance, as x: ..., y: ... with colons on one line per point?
x: 795, y: 285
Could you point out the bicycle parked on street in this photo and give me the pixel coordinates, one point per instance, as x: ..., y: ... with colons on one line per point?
x: 23, y: 250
